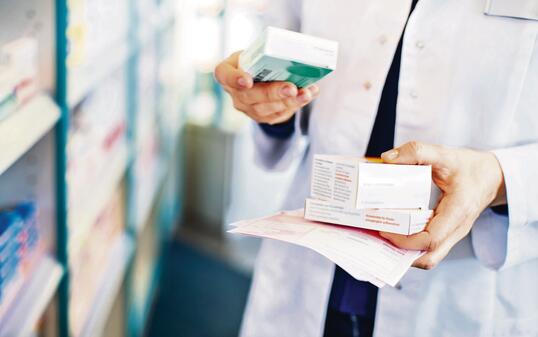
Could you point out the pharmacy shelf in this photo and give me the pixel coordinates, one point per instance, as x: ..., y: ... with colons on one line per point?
x: 165, y: 20
x: 35, y: 295
x: 82, y: 80
x: 152, y: 290
x: 143, y: 212
x: 84, y: 216
x: 75, y: 221
x: 25, y: 127
x: 109, y: 287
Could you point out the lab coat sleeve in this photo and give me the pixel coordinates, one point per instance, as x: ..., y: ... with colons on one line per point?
x: 272, y: 153
x: 277, y: 154
x: 503, y: 241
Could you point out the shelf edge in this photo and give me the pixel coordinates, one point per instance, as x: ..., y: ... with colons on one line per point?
x: 25, y: 127
x: 33, y: 298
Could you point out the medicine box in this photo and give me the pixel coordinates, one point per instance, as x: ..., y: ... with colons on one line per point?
x: 355, y: 182
x: 283, y: 55
x: 399, y: 221
x: 352, y: 191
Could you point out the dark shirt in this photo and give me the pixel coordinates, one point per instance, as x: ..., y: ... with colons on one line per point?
x: 347, y: 294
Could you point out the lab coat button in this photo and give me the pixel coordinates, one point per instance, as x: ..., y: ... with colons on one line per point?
x: 398, y: 286
x: 367, y: 85
x: 382, y: 39
x: 419, y: 44
x: 413, y: 94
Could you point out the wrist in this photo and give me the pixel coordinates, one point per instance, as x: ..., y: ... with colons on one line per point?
x: 499, y: 186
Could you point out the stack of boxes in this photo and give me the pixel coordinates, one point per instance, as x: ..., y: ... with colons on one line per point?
x: 19, y: 238
x: 353, y: 192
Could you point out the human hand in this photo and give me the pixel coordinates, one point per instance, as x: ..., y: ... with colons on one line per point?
x: 469, y: 180
x: 271, y: 102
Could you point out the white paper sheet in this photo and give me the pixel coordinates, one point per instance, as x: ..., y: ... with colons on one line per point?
x: 362, y: 253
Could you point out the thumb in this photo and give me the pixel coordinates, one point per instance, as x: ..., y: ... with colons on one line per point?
x: 413, y: 153
x: 228, y: 73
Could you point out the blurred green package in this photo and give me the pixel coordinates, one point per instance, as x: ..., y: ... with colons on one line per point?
x: 283, y: 55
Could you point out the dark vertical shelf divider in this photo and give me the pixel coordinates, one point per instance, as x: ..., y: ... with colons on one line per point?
x: 62, y: 129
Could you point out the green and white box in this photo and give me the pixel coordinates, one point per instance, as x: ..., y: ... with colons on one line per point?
x: 283, y: 55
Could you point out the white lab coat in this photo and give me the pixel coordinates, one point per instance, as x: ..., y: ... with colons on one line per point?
x: 468, y: 80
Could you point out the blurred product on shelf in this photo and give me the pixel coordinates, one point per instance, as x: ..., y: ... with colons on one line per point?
x: 93, y: 27
x: 101, y: 116
x: 148, y: 142
x: 87, y: 275
x: 19, y: 242
x: 96, y: 135
x: 18, y: 74
x: 169, y: 118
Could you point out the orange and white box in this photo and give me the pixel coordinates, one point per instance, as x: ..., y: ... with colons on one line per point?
x: 351, y: 191
x: 356, y: 183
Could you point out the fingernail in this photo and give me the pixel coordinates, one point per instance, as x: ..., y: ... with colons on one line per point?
x: 287, y: 91
x: 304, y: 97
x: 314, y: 89
x: 242, y: 82
x: 390, y: 155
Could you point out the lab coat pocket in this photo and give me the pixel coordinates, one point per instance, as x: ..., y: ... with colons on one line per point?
x: 519, y: 9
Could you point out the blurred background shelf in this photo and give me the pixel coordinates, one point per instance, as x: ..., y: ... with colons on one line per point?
x: 34, y: 296
x: 137, y: 137
x: 87, y: 210
x: 150, y: 198
x: 83, y: 79
x: 109, y: 287
x: 25, y: 127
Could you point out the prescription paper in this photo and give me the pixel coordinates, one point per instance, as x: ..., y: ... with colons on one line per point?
x: 362, y: 253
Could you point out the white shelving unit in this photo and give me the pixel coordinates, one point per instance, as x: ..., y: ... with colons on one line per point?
x: 85, y: 214
x: 35, y: 295
x: 109, y: 287
x: 39, y: 145
x: 25, y: 127
x: 143, y: 212
x: 82, y: 80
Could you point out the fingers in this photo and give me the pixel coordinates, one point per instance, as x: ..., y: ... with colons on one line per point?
x: 271, y: 102
x: 293, y: 104
x: 268, y: 92
x: 278, y: 117
x: 431, y: 259
x: 266, y: 109
x: 277, y: 111
x: 451, y: 223
x: 448, y: 217
x: 418, y: 241
x: 304, y: 97
x: 414, y: 153
x: 231, y: 76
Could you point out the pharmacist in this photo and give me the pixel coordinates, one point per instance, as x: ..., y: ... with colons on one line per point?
x: 449, y: 83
